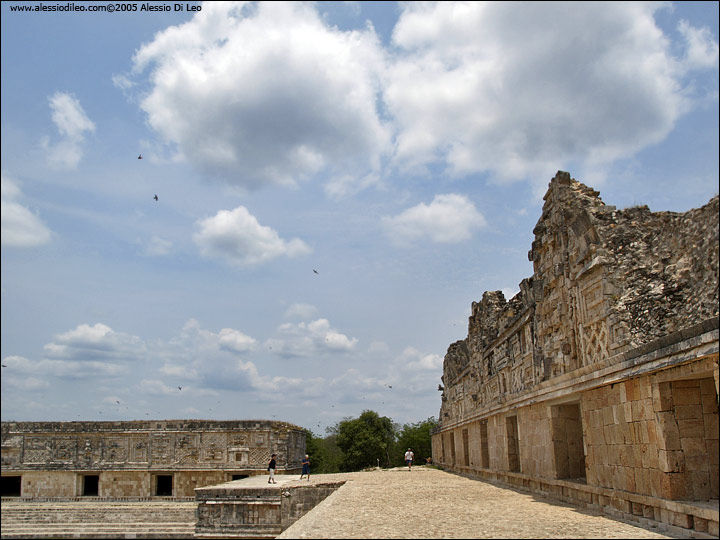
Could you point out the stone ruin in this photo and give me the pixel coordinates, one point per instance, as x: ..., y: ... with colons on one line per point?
x: 141, y: 459
x: 598, y: 381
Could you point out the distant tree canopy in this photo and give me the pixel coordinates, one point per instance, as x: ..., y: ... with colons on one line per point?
x: 365, y: 440
x: 325, y: 456
x: 417, y: 437
x: 354, y: 444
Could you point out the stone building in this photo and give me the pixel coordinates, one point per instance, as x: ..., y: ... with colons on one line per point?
x: 598, y: 381
x: 139, y: 459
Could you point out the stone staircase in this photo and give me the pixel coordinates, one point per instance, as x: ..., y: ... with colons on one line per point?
x: 98, y: 519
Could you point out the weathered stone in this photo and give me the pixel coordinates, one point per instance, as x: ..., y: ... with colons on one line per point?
x: 619, y: 322
x: 142, y: 458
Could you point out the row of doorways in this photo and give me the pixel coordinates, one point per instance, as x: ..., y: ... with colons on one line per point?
x: 11, y: 486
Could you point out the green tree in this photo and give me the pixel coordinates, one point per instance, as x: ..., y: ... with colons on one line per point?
x: 365, y: 440
x: 325, y: 456
x: 417, y: 437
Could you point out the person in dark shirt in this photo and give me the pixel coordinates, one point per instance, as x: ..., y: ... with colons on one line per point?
x: 271, y: 467
x: 306, y: 467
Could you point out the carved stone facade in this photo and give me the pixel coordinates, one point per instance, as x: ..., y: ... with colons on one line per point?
x: 598, y: 381
x: 141, y: 458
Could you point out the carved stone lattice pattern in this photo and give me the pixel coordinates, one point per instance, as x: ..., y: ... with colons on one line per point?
x: 259, y: 456
x: 594, y: 342
x: 187, y: 448
x: 214, y: 447
x: 37, y: 450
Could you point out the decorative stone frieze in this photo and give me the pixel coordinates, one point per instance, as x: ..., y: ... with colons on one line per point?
x: 603, y: 369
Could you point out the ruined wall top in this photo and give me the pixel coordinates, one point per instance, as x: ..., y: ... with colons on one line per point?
x: 605, y: 281
x: 144, y: 425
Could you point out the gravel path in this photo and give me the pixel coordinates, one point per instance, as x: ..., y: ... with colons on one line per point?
x: 429, y: 503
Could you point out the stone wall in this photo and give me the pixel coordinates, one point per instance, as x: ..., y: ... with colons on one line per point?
x: 235, y: 510
x: 142, y: 458
x: 602, y: 372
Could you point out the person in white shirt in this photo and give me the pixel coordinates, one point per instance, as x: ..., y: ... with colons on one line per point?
x: 409, y: 458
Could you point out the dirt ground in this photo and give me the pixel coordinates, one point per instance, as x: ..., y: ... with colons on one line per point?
x: 429, y: 503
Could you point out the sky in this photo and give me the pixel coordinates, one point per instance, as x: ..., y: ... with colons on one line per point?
x: 336, y: 183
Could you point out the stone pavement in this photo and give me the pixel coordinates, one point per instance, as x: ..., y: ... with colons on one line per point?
x: 430, y: 503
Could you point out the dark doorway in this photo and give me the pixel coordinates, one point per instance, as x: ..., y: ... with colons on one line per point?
x: 484, y: 450
x: 91, y: 482
x: 513, y: 447
x: 11, y: 486
x: 164, y: 485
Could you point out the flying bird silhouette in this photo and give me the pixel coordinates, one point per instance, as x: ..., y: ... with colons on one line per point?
x: 3, y: 365
x: 140, y: 156
x: 179, y: 387
x: 316, y: 271
x: 155, y: 197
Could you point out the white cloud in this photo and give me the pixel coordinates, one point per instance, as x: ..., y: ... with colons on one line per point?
x: 72, y: 123
x: 97, y: 342
x: 26, y: 373
x: 487, y: 87
x: 702, y: 49
x: 235, y: 341
x: 237, y: 237
x: 266, y: 93
x: 309, y: 338
x: 448, y: 218
x: 412, y: 359
x: 20, y: 227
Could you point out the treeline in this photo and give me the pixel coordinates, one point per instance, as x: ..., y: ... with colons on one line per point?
x: 371, y: 440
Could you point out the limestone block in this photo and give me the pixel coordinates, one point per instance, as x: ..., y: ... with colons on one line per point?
x: 694, y: 446
x: 671, y: 461
x: 691, y: 428
x: 674, y: 486
x: 709, y: 403
x: 684, y: 412
x: 668, y: 431
x: 711, y: 426
x: 686, y: 396
x: 713, y: 451
x: 662, y: 397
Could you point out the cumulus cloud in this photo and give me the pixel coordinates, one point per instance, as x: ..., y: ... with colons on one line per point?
x: 20, y: 227
x: 235, y: 341
x: 266, y: 93
x: 72, y: 123
x: 414, y: 359
x: 95, y: 343
x: 448, y: 218
x: 238, y: 238
x: 486, y: 87
x: 309, y: 338
x: 702, y: 49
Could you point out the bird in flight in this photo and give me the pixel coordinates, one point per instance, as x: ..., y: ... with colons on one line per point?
x: 3, y: 365
x: 155, y: 197
x: 179, y: 387
x: 140, y: 156
x: 316, y: 271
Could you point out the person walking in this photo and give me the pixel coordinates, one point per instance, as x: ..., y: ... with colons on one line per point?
x: 271, y: 467
x: 409, y: 458
x: 305, y: 467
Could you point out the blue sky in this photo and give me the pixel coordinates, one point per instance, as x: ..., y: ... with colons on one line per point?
x: 337, y: 182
